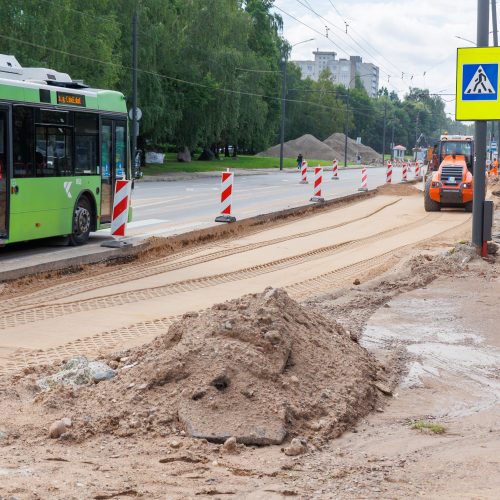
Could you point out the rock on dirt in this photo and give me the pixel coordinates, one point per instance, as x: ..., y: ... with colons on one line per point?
x: 77, y: 372
x: 278, y: 368
x: 295, y: 448
x: 230, y: 445
x: 57, y: 429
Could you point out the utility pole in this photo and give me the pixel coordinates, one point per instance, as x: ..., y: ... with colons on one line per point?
x: 392, y: 137
x: 346, y: 120
x: 283, y: 103
x: 495, y: 43
x: 480, y: 136
x: 134, y: 90
x: 416, y: 128
x: 383, y: 136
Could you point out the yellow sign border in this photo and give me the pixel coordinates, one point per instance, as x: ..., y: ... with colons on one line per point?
x: 476, y: 110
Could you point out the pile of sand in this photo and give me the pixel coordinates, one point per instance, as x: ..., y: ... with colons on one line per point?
x: 260, y: 368
x: 332, y: 148
x: 399, y: 190
x: 337, y: 142
x: 310, y: 147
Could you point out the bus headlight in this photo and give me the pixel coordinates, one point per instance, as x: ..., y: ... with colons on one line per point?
x: 436, y: 184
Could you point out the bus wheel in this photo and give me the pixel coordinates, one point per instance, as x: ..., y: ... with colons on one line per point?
x: 82, y: 219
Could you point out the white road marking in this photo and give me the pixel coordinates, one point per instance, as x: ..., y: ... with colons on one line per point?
x: 146, y: 222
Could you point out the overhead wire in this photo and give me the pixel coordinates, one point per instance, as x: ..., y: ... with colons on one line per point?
x: 365, y: 40
x: 381, y: 68
x: 329, y: 39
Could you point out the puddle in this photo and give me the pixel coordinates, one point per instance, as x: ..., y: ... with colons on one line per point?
x: 440, y: 324
x: 440, y: 347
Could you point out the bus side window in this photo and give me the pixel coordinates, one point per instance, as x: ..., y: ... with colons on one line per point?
x: 53, y: 153
x: 23, y: 141
x: 86, y: 143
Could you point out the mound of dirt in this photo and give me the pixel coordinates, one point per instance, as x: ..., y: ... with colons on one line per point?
x: 337, y: 142
x: 308, y: 145
x: 259, y: 368
x: 399, y: 190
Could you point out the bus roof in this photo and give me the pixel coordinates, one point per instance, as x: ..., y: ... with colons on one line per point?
x: 46, y: 86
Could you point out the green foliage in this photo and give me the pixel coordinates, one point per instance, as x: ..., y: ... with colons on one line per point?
x: 210, y: 72
x: 424, y: 425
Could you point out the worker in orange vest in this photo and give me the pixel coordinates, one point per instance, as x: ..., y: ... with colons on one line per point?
x: 494, y: 168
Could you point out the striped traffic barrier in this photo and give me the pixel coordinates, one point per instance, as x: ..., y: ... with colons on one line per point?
x: 318, y: 179
x: 226, y: 196
x: 405, y: 173
x: 364, y: 180
x: 303, y: 173
x: 388, y: 178
x: 121, y: 204
x: 417, y: 170
x: 335, y: 170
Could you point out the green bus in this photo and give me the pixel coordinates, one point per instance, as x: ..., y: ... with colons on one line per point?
x: 62, y: 147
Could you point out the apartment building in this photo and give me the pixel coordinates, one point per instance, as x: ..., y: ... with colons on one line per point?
x: 343, y: 70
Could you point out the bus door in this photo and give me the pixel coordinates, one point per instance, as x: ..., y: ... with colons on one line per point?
x: 113, y: 162
x: 4, y: 171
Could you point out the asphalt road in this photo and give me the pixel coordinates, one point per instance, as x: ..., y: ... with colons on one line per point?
x: 167, y: 208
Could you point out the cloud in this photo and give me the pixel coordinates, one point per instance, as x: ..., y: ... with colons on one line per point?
x: 405, y: 36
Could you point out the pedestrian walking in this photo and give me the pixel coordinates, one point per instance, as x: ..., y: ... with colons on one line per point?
x: 300, y: 159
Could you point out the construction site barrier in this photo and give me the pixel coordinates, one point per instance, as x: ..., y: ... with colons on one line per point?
x: 364, y: 180
x: 318, y: 179
x: 405, y: 173
x: 335, y: 170
x: 417, y: 170
x: 303, y: 173
x: 121, y: 205
x: 388, y: 178
x: 226, y: 196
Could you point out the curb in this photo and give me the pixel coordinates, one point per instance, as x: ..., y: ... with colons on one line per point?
x: 72, y: 262
x: 187, y: 176
x: 211, y: 233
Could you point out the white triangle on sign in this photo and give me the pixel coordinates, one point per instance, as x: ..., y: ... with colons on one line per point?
x: 480, y: 83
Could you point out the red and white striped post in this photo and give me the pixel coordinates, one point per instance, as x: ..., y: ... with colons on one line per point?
x: 417, y: 170
x: 226, y: 195
x: 364, y: 180
x: 303, y: 173
x: 388, y: 178
x: 335, y: 170
x: 405, y: 173
x: 121, y: 204
x: 318, y: 179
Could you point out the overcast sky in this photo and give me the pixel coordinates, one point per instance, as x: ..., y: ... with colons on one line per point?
x: 414, y: 37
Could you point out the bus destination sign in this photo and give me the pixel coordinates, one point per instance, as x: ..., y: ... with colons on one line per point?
x: 71, y: 99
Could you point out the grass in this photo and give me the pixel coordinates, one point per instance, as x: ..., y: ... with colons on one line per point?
x: 434, y: 427
x: 172, y: 165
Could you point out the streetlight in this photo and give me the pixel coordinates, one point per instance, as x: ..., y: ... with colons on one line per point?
x: 347, y: 114
x: 284, y: 59
x: 465, y: 39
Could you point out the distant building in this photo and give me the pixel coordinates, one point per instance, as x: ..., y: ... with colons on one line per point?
x: 343, y: 70
x: 399, y: 152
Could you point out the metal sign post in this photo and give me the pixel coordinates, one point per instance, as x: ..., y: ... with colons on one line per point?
x: 477, y: 99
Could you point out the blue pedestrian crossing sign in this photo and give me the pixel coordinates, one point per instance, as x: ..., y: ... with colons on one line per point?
x: 482, y: 82
x: 477, y: 84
